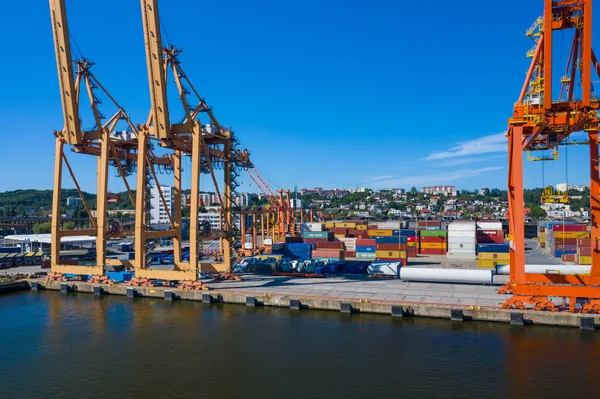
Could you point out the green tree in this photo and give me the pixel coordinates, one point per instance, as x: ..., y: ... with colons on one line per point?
x: 413, y: 190
x: 42, y: 228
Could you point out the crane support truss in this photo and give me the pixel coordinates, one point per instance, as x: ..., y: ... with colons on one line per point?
x: 206, y: 145
x: 541, y: 123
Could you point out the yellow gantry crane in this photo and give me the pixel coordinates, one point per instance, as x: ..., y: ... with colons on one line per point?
x: 548, y: 196
x: 205, y: 144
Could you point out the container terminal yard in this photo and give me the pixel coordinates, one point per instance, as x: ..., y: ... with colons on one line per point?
x: 280, y: 256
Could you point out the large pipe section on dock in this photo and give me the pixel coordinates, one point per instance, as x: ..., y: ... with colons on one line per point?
x: 437, y: 275
x: 549, y: 269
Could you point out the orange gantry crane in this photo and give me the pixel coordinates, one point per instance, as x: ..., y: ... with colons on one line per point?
x: 544, y: 121
x: 206, y: 144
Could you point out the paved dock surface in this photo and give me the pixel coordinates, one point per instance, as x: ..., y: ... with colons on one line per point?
x: 359, y: 287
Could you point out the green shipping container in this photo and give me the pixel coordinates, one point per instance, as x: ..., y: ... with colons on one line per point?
x: 365, y: 255
x: 316, y: 234
x: 433, y: 233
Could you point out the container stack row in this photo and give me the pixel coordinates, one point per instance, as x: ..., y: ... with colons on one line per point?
x: 491, y: 255
x: 462, y: 239
x: 584, y: 251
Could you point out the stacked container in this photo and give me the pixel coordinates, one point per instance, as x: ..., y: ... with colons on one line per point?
x: 541, y: 233
x: 433, y: 242
x: 365, y: 249
x: 391, y: 248
x: 412, y: 246
x: 462, y: 239
x: 491, y: 255
x: 584, y: 251
x: 489, y: 232
x: 565, y: 239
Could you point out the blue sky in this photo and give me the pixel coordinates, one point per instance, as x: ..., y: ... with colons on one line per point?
x: 323, y: 93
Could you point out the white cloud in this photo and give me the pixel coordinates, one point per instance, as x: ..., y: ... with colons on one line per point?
x: 487, y: 144
x: 380, y: 178
x: 438, y: 178
x: 464, y: 161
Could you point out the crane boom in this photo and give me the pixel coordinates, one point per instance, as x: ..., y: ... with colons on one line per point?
x: 64, y: 62
x: 156, y: 69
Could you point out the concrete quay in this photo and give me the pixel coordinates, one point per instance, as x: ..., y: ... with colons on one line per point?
x: 349, y: 294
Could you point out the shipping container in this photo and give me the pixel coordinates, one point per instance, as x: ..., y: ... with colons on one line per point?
x: 501, y: 256
x: 365, y: 242
x: 432, y: 251
x: 569, y: 257
x: 330, y: 245
x: 381, y: 233
x: 329, y: 225
x: 489, y: 264
x: 571, y: 234
x: 365, y: 255
x: 497, y: 248
x: 349, y: 254
x: 433, y: 239
x: 391, y: 247
x: 433, y: 245
x: 584, y: 251
x: 311, y: 227
x: 489, y: 225
x: 317, y: 234
x: 315, y: 240
x: 568, y: 227
x: 345, y: 225
x: 390, y: 240
x: 585, y: 260
x: 584, y: 242
x: 361, y: 227
x: 390, y: 254
x: 370, y: 248
x: 327, y: 253
x: 433, y: 233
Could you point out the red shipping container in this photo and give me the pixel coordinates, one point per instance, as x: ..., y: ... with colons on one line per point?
x: 349, y: 254
x: 433, y: 251
x: 411, y: 252
x: 330, y: 245
x: 373, y: 227
x: 565, y: 241
x: 366, y: 243
x: 293, y: 239
x: 568, y: 257
x: 542, y: 245
x: 315, y: 240
x: 327, y: 253
x: 411, y: 239
x: 433, y: 239
x: 569, y: 227
x: 584, y: 251
x: 584, y: 242
x: 390, y: 247
x: 491, y: 232
x: 542, y: 229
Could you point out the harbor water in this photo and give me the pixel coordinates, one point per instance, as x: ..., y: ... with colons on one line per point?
x: 81, y: 346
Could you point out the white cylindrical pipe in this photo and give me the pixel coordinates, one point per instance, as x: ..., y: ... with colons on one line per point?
x: 549, y: 269
x: 436, y: 275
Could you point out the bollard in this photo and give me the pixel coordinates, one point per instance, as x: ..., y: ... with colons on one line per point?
x: 168, y: 295
x: 97, y: 290
x: 345, y: 307
x: 517, y: 319
x: 587, y: 324
x: 250, y: 301
x: 397, y: 311
x: 457, y: 315
x: 294, y: 304
x: 63, y: 288
x: 130, y: 292
x: 206, y: 298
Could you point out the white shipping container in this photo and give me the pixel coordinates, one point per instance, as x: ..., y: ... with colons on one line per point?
x: 461, y: 255
x: 463, y: 233
x: 489, y: 225
x: 388, y: 225
x: 459, y: 246
x: 311, y: 227
x: 247, y: 245
x: 268, y: 241
x: 462, y: 226
x: 461, y: 240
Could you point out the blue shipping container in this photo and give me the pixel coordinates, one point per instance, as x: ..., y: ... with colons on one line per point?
x: 119, y: 276
x: 355, y: 267
x: 559, y: 254
x: 408, y: 233
x: 500, y: 248
x: 390, y: 240
x: 366, y: 248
